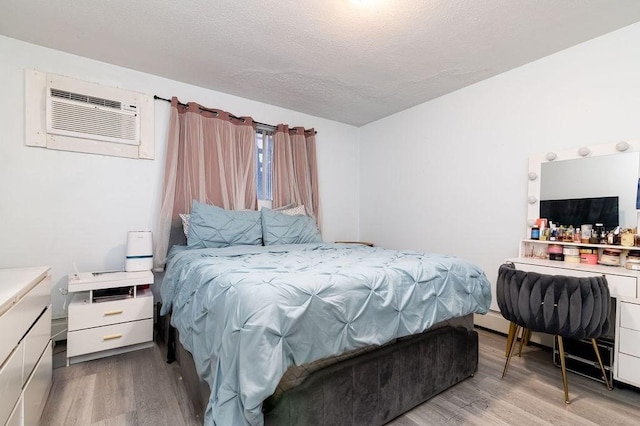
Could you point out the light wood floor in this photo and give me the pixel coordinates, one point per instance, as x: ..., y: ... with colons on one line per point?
x: 136, y: 388
x: 139, y: 388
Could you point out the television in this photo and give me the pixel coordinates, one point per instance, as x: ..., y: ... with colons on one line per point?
x: 582, y: 211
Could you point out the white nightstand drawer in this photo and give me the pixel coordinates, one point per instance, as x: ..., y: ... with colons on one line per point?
x: 98, y: 339
x: 88, y: 315
x: 629, y: 315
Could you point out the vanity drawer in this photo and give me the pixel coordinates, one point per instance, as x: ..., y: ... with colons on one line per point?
x: 80, y: 342
x: 629, y: 342
x: 629, y: 315
x: 619, y: 285
x: 87, y: 315
x: 629, y: 369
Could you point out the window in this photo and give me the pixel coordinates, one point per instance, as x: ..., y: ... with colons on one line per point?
x: 264, y: 163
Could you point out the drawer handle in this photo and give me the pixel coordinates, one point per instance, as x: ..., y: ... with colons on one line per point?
x: 112, y: 336
x: 108, y: 313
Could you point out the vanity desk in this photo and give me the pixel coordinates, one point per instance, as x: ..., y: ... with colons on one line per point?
x: 587, y: 172
x: 623, y: 286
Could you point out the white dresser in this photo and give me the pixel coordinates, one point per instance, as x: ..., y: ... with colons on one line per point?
x: 108, y: 327
x: 25, y: 353
x: 623, y: 286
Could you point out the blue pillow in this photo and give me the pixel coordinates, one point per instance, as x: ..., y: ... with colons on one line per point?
x: 279, y: 228
x: 211, y: 226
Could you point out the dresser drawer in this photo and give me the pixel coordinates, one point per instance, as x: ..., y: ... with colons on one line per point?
x: 35, y: 343
x: 16, y: 321
x: 16, y: 417
x: 10, y: 383
x: 80, y: 342
x: 87, y: 315
x: 37, y: 389
x: 629, y: 315
x: 629, y: 369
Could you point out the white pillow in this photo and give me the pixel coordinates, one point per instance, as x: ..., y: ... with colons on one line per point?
x: 185, y: 223
x: 294, y: 211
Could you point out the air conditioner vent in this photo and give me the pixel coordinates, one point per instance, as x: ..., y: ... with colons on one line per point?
x: 87, y: 120
x: 85, y: 116
x: 57, y: 93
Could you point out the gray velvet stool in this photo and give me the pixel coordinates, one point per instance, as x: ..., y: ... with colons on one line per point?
x: 572, y: 307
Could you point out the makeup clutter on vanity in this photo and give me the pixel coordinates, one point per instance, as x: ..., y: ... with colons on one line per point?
x: 587, y: 244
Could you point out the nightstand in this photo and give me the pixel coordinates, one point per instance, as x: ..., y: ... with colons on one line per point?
x: 110, y: 313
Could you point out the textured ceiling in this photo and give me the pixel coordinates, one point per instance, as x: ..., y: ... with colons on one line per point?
x: 329, y: 58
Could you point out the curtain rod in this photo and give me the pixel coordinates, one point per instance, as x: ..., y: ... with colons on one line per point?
x: 268, y: 126
x: 264, y: 126
x: 259, y: 124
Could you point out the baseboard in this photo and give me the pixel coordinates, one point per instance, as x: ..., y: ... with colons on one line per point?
x: 59, y: 329
x: 494, y: 320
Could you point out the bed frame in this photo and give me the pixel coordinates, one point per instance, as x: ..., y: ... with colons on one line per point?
x: 368, y: 389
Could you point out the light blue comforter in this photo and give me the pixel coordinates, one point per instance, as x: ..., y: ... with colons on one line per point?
x: 247, y: 313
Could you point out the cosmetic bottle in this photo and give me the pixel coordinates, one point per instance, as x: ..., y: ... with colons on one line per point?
x: 535, y: 233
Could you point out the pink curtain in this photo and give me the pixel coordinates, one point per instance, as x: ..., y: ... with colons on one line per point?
x: 211, y: 159
x: 295, y: 171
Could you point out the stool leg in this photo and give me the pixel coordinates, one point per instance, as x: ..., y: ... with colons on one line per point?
x: 512, y: 335
x: 511, y: 349
x: 564, y: 370
x: 524, y: 340
x: 604, y: 373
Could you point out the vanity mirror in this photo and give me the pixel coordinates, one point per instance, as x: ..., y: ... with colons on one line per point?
x: 610, y: 170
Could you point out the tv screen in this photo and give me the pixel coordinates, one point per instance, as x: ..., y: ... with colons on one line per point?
x: 582, y: 211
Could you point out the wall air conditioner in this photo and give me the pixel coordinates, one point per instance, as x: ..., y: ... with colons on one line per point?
x: 64, y: 113
x: 84, y: 116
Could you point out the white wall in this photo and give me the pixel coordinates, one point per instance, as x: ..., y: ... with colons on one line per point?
x: 59, y: 208
x: 450, y: 175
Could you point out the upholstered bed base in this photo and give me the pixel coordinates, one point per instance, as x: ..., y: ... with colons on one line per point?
x: 368, y: 389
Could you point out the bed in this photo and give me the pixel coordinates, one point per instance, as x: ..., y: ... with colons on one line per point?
x: 274, y: 326
x: 400, y: 323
